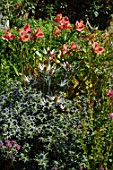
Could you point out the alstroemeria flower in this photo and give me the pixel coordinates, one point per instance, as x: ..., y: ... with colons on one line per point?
x: 63, y: 22
x: 38, y: 34
x: 24, y: 33
x: 58, y: 18
x: 56, y: 33
x: 64, y: 25
x: 97, y: 48
x: 67, y: 26
x: 8, y: 36
x: 27, y: 28
x: 79, y: 26
x: 73, y: 45
x: 64, y: 48
x: 111, y: 115
x: 24, y: 36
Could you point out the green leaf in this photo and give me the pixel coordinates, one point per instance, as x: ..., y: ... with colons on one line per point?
x: 16, y: 71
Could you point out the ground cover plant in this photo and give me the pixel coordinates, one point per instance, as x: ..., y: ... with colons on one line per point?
x: 56, y: 96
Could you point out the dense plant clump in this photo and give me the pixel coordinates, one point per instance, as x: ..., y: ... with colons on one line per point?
x: 57, y: 51
x: 56, y: 96
x: 45, y: 132
x: 42, y: 125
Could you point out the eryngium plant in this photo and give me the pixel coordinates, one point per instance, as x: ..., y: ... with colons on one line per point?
x: 43, y: 126
x: 51, y: 132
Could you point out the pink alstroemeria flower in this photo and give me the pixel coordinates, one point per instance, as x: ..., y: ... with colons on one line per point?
x: 63, y: 22
x: 97, y: 48
x: 24, y: 33
x: 24, y: 36
x: 8, y: 36
x: 73, y: 45
x: 79, y: 26
x: 27, y: 28
x: 58, y: 18
x: 64, y: 48
x: 111, y: 115
x: 56, y: 33
x: 38, y: 34
x: 65, y: 25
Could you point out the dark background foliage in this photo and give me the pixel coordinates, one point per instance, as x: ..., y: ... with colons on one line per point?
x: 97, y: 11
